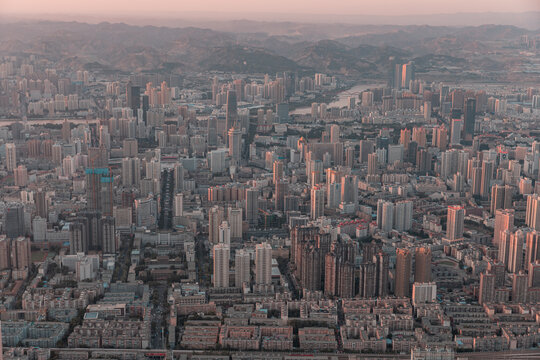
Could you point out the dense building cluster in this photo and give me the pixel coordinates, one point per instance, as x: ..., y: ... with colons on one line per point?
x: 217, y: 212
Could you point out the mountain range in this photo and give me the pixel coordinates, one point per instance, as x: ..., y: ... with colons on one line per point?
x: 343, y: 49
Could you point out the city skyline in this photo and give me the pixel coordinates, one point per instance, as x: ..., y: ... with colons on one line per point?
x: 290, y: 184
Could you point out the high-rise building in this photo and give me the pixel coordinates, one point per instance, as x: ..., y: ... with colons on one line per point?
x: 179, y: 204
x: 407, y: 74
x: 11, y: 156
x: 422, y: 265
x: 178, y: 177
x: 311, y: 267
x: 5, y: 252
x: 277, y: 171
x: 78, y: 237
x: 339, y: 270
x: 501, y: 197
x: 40, y: 200
x: 403, y: 214
x: 108, y: 235
x: 231, y: 111
x: 334, y: 133
x: 367, y: 280
x: 281, y: 190
x: 225, y: 233
x: 424, y: 293
x: 212, y: 138
x: 534, y: 274
x: 215, y: 218
x: 263, y: 264
x: 373, y: 163
x: 21, y: 254
x: 317, y: 202
x: 487, y: 175
x: 366, y: 147
x: 349, y: 190
x: 532, y: 215
x: 221, y: 253
x: 515, y: 255
x: 130, y: 147
x: 14, y: 220
x: 235, y: 144
x: 455, y: 131
x: 252, y: 206
x: 454, y: 223
x: 470, y: 112
x: 504, y: 220
x: 487, y: 288
x: 519, y: 287
x: 235, y: 221
x: 20, y: 175
x: 133, y: 97
x: 385, y: 215
x: 532, y: 248
x: 241, y: 268
x: 403, y: 273
x: 131, y: 172
x: 381, y: 261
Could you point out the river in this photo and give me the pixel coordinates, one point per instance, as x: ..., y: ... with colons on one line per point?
x: 342, y: 98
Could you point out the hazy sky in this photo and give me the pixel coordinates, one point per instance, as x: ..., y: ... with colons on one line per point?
x: 349, y: 7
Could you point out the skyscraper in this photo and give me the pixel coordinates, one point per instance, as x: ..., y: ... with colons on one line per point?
x: 403, y: 273
x: 454, y: 224
x: 263, y: 264
x: 133, y: 97
x: 422, y: 265
x: 235, y: 144
x: 470, y: 112
x: 221, y: 265
x: 231, y: 111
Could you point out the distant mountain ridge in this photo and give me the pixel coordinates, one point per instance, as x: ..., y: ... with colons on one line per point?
x: 359, y: 50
